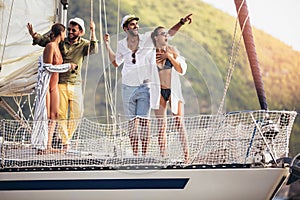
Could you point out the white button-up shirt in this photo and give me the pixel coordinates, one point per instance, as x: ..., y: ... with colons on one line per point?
x: 176, y: 90
x: 134, y: 74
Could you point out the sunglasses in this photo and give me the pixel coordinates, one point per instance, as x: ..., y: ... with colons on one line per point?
x: 73, y: 30
x: 162, y: 33
x: 133, y: 57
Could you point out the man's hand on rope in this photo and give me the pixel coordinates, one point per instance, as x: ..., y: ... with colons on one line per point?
x: 106, y: 38
x: 92, y: 25
x: 93, y: 30
x: 111, y: 53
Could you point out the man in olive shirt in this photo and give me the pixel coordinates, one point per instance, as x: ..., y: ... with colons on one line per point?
x: 74, y: 48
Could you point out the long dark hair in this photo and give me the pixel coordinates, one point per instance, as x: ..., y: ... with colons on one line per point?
x: 56, y: 29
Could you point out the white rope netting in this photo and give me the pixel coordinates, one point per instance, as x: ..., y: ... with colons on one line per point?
x: 234, y: 138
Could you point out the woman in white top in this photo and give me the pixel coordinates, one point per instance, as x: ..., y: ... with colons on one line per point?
x: 169, y: 65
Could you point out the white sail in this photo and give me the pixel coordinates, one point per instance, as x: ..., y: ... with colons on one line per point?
x: 19, y: 57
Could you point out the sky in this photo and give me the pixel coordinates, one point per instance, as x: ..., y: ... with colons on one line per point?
x: 280, y: 18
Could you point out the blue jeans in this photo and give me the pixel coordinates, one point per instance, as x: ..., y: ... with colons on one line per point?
x: 136, y: 100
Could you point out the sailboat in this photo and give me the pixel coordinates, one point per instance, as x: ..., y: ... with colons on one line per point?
x: 236, y: 155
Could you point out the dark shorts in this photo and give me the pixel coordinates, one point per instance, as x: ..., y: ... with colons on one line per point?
x: 165, y: 93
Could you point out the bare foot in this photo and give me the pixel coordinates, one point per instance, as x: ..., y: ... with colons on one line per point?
x: 66, y: 147
x: 41, y: 151
x: 52, y: 150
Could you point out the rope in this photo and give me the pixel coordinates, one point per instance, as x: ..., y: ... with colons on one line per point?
x: 233, y: 56
x: 116, y: 70
x: 109, y: 70
x: 107, y: 79
x: 8, y: 109
x: 88, y: 55
x: 6, y: 35
x: 103, y: 62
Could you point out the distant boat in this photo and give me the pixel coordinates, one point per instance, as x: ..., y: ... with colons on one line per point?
x: 237, y: 155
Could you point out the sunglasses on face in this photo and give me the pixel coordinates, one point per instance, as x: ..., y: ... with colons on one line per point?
x: 72, y: 30
x: 162, y: 33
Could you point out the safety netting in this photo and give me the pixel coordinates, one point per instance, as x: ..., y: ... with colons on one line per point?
x: 233, y: 138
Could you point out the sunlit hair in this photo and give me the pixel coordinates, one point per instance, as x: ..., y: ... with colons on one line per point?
x: 155, y: 33
x: 56, y: 30
x: 170, y: 48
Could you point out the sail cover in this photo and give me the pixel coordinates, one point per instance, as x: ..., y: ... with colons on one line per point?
x: 19, y: 58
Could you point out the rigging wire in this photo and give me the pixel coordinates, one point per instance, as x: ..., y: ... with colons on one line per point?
x: 7, y: 30
x: 107, y: 82
x: 88, y: 55
x: 233, y: 57
x: 116, y: 69
x: 103, y: 62
x: 108, y: 66
x: 18, y: 101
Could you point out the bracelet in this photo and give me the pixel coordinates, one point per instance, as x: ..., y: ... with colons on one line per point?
x: 182, y: 22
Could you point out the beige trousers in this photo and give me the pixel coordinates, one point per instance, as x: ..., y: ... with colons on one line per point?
x: 70, y: 110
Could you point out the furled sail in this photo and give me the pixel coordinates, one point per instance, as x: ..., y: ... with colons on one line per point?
x: 242, y: 10
x: 19, y: 58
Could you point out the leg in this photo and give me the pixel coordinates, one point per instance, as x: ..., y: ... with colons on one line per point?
x: 181, y: 129
x: 129, y: 105
x: 133, y: 135
x: 63, y: 113
x: 142, y: 97
x: 54, y: 105
x: 145, y: 134
x: 76, y: 108
x: 54, y: 109
x: 160, y: 114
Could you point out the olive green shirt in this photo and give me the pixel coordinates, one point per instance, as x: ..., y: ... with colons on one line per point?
x: 71, y: 54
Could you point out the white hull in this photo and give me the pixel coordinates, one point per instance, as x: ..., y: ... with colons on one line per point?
x: 241, y: 183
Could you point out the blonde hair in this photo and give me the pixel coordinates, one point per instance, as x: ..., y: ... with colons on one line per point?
x: 169, y: 47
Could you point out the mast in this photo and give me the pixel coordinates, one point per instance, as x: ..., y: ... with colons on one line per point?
x: 63, y: 11
x: 244, y: 20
